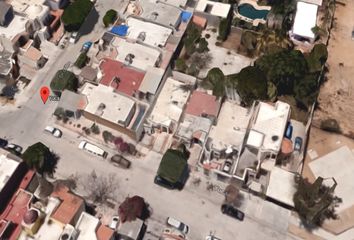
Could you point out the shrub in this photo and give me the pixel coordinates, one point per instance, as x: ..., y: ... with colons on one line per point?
x: 81, y: 60
x: 107, y: 136
x: 181, y: 65
x: 330, y: 125
x: 203, y: 45
x: 109, y: 17
x: 87, y: 131
x: 75, y: 14
x: 224, y: 28
x: 95, y: 129
x: 207, y: 36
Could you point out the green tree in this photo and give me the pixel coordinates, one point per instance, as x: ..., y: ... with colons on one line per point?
x: 192, y: 36
x: 39, y: 157
x: 224, y: 28
x: 315, y: 202
x: 109, y: 17
x: 249, y: 41
x: 252, y: 84
x: 203, y: 45
x: 282, y: 68
x: 81, y: 60
x: 62, y: 80
x: 75, y: 14
x: 306, y: 89
x: 181, y: 65
x: 317, y: 57
x: 216, y: 81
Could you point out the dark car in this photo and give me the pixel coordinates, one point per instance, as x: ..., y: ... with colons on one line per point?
x: 232, y: 212
x: 163, y: 183
x: 298, y: 144
x: 3, y: 142
x: 120, y: 161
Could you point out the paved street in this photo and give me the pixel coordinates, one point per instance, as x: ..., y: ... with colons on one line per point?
x: 195, y: 206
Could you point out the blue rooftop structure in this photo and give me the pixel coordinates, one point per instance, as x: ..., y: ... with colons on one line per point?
x: 186, y: 16
x: 120, y: 30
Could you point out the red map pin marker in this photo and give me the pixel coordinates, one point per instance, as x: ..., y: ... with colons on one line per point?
x: 44, y: 93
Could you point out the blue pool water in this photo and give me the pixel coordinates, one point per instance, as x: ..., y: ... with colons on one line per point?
x: 249, y: 11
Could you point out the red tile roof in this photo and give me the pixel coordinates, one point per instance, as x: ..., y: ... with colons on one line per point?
x: 104, y: 233
x: 69, y: 206
x: 200, y: 103
x: 130, y: 79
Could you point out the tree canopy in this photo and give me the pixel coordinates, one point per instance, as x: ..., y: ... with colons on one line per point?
x: 317, y: 57
x: 173, y: 166
x: 64, y: 79
x: 315, y: 202
x: 252, y: 84
x: 132, y: 208
x: 75, y: 14
x: 109, y: 17
x: 39, y: 157
x: 215, y: 80
x: 282, y: 68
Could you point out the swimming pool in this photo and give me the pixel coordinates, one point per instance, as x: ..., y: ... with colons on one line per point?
x: 248, y: 11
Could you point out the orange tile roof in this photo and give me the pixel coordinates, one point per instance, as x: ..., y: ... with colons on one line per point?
x: 104, y: 233
x: 200, y: 103
x: 70, y: 205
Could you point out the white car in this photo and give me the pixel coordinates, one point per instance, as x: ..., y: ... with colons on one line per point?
x: 114, y: 223
x: 73, y: 37
x: 177, y: 224
x: 54, y: 131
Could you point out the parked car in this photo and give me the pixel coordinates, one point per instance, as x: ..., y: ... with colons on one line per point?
x: 86, y: 46
x: 54, y: 131
x: 16, y: 149
x: 232, y: 212
x: 177, y: 224
x: 289, y: 131
x: 163, y: 183
x: 227, y: 166
x: 73, y: 37
x: 91, y: 148
x: 298, y: 144
x: 120, y: 161
x: 3, y: 142
x: 114, y: 222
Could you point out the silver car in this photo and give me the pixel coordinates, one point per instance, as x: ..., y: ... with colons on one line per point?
x: 177, y: 224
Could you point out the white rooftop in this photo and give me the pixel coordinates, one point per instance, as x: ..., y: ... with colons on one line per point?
x: 176, y: 3
x: 7, y: 168
x: 32, y: 8
x: 305, y: 19
x: 271, y: 121
x: 170, y: 103
x: 149, y: 33
x: 107, y: 104
x: 231, y: 126
x: 281, y: 186
x: 340, y: 165
x: 86, y: 225
x: 16, y: 26
x: 214, y: 8
x: 141, y: 56
x: 151, y: 80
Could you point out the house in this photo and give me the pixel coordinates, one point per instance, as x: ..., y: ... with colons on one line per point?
x: 132, y: 230
x: 202, y: 104
x: 88, y: 74
x: 169, y: 107
x: 6, y: 65
x: 70, y: 208
x: 212, y: 11
x: 150, y: 84
x: 89, y: 227
x: 114, y: 110
x: 6, y: 13
x: 304, y: 22
x: 31, y: 57
x: 71, y: 104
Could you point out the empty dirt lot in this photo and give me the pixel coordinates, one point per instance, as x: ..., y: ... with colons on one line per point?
x: 336, y: 98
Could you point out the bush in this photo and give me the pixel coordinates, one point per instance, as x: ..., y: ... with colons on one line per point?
x: 224, y: 28
x: 75, y: 14
x: 107, y: 136
x: 95, y: 129
x: 81, y: 60
x: 87, y: 131
x: 207, y: 36
x: 330, y: 125
x: 203, y: 45
x: 109, y: 17
x: 181, y: 65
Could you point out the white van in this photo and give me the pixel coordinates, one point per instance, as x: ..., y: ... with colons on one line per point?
x: 92, y: 149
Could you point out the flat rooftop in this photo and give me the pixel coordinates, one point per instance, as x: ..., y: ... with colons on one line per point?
x: 160, y: 12
x: 135, y: 54
x: 214, y: 8
x: 7, y: 169
x: 271, y: 120
x: 86, y: 225
x: 201, y: 103
x: 231, y: 126
x: 152, y: 80
x: 16, y: 26
x: 120, y: 77
x: 281, y: 186
x: 107, y: 104
x: 149, y: 33
x: 170, y: 103
x: 305, y: 19
x: 194, y: 127
x: 32, y: 8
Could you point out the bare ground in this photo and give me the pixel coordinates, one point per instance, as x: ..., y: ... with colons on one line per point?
x: 336, y: 96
